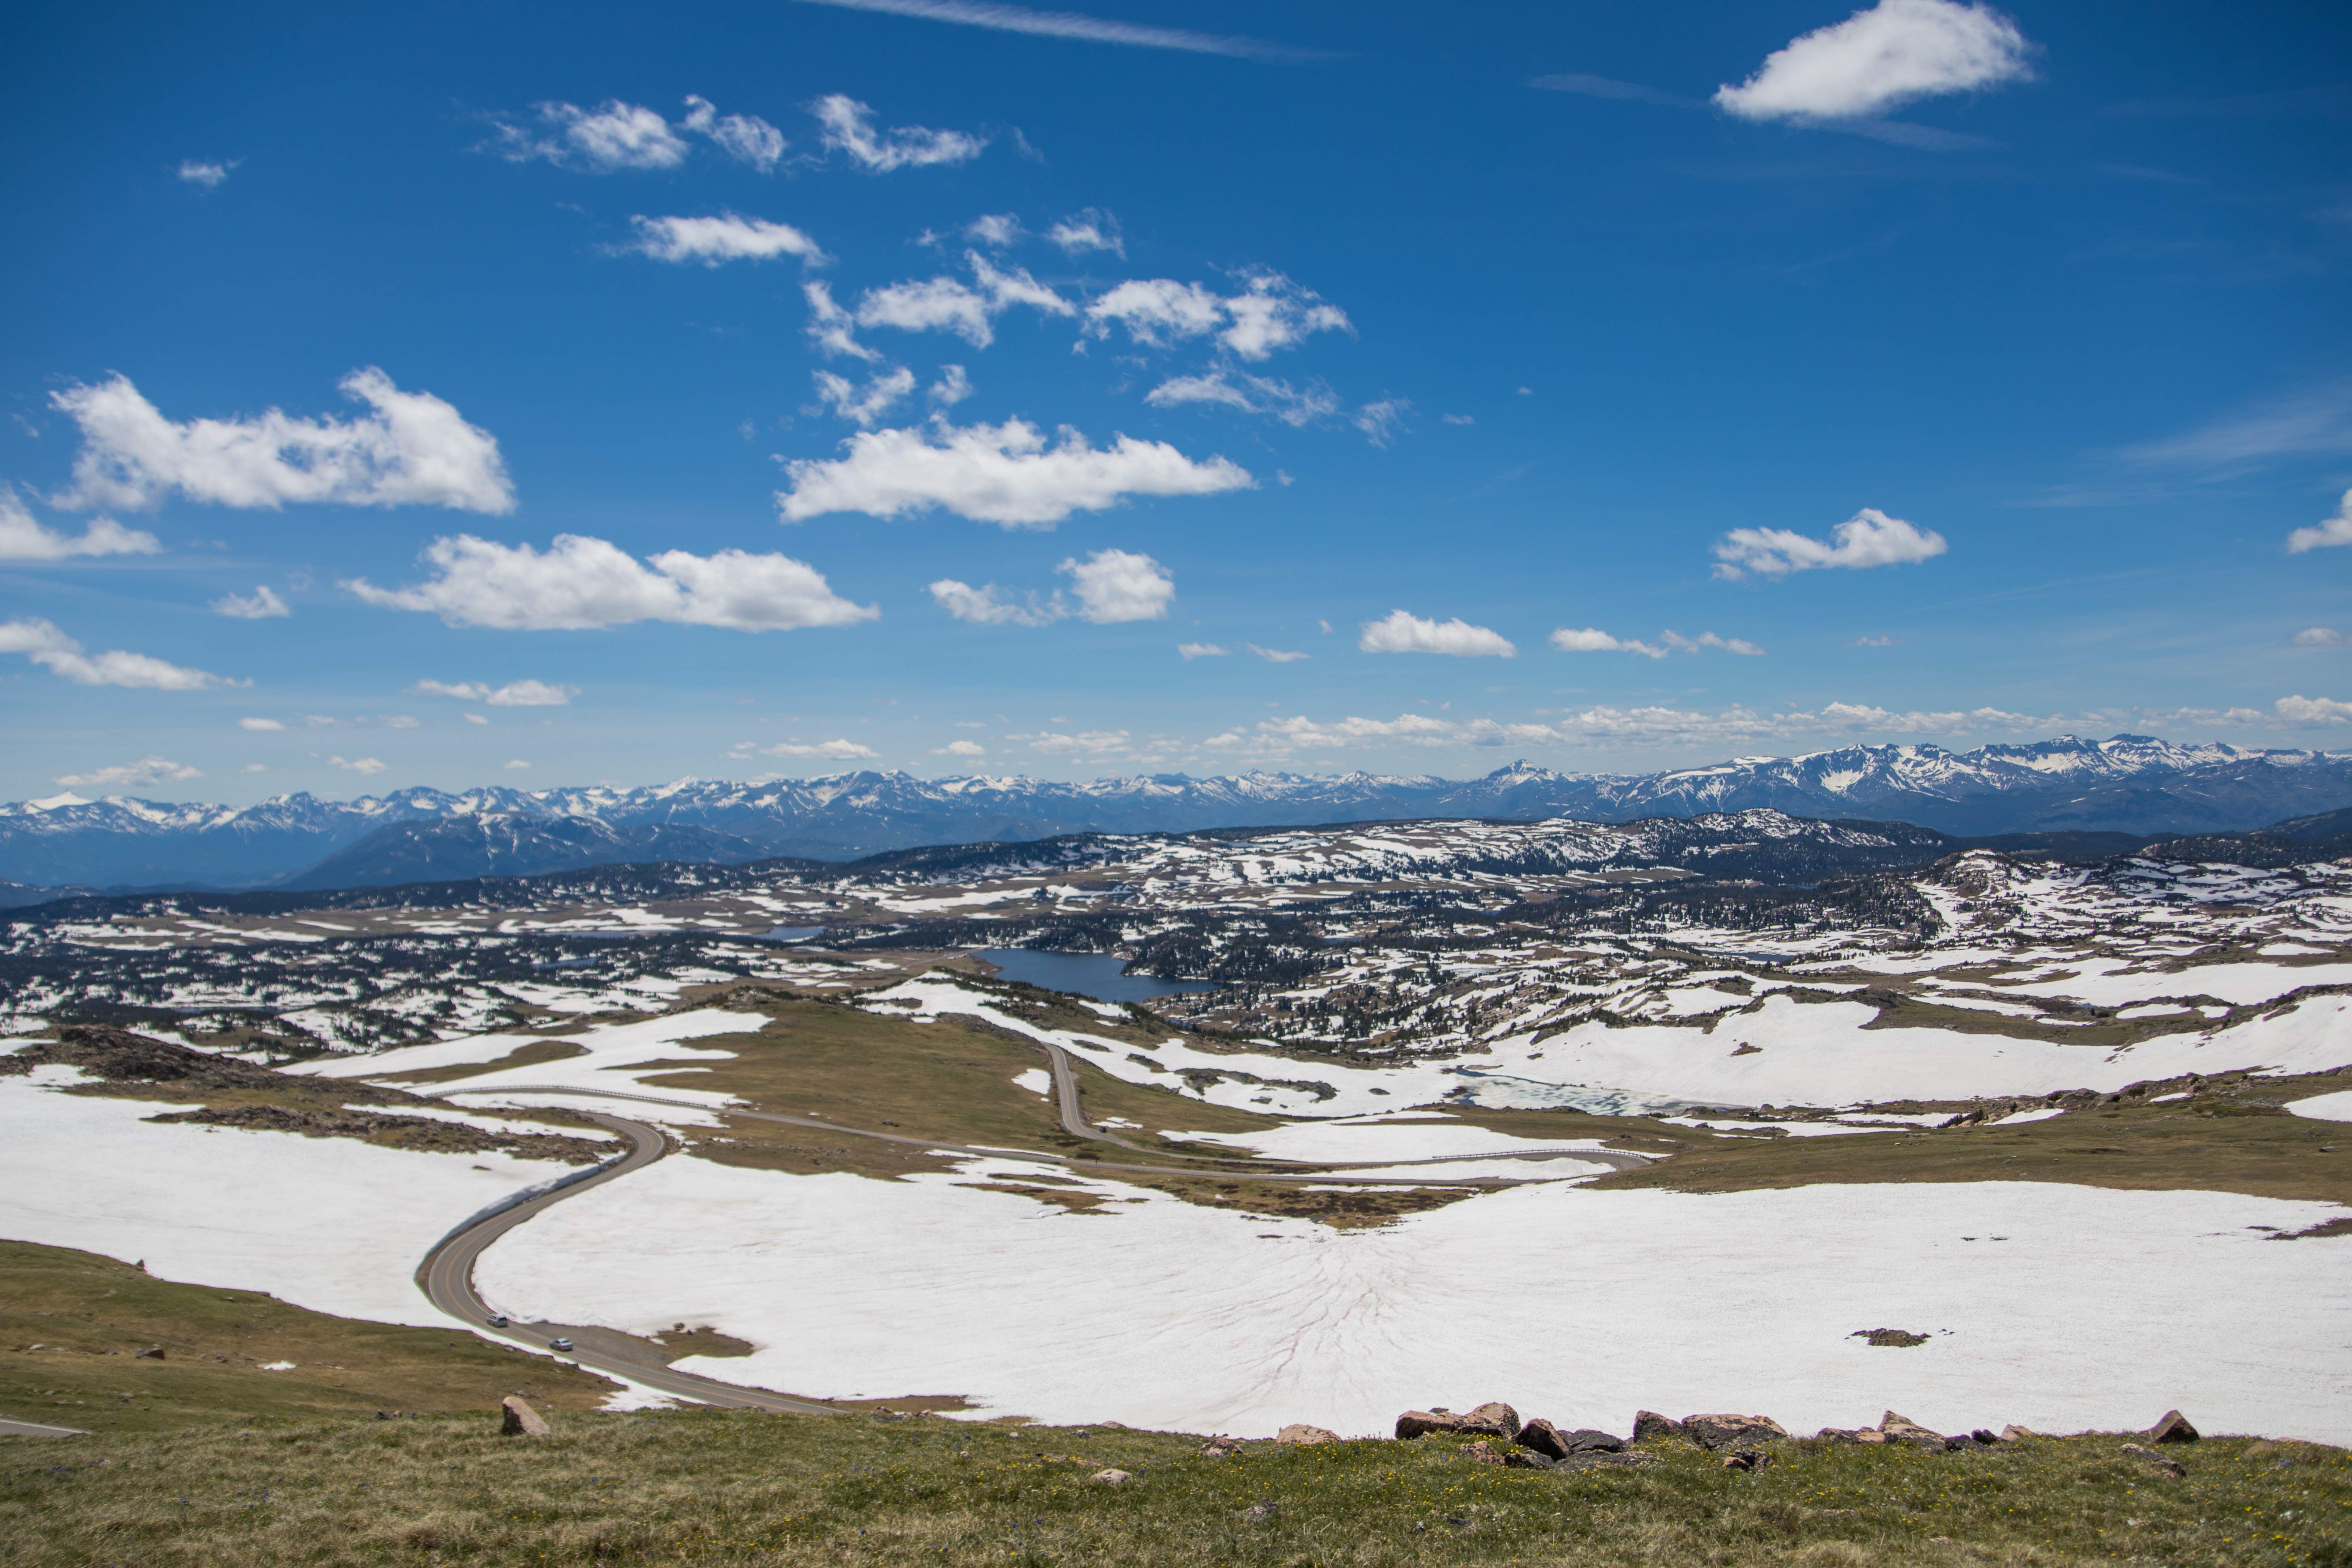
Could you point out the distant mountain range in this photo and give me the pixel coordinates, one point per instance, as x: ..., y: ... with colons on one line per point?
x: 2126, y: 784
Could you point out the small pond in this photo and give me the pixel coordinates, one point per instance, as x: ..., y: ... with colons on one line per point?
x: 1095, y: 974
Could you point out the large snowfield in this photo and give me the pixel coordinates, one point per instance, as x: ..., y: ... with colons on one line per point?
x: 2056, y: 1307
x: 330, y: 1223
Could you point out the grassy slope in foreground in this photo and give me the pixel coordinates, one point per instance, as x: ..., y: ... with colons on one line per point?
x: 728, y: 1487
x: 91, y: 1314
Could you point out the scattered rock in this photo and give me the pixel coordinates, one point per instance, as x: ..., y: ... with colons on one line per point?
x: 1111, y: 1477
x: 2173, y: 1428
x: 520, y: 1420
x: 1896, y: 1428
x: 1717, y: 1432
x: 1747, y: 1459
x: 2013, y: 1433
x: 1259, y: 1511
x: 1219, y: 1449
x: 1649, y: 1426
x: 1986, y: 1436
x: 2157, y: 1461
x: 1528, y: 1459
x: 1901, y: 1338
x: 1300, y: 1433
x: 152, y: 1352
x: 1546, y: 1438
x: 1494, y: 1419
x: 1481, y: 1452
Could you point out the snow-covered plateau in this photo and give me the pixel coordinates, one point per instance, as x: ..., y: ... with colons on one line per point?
x: 1736, y: 984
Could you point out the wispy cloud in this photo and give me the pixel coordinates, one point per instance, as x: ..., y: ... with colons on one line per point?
x: 2315, y: 421
x: 513, y: 694
x: 42, y: 642
x: 262, y: 604
x: 1604, y: 87
x: 1072, y: 25
x: 143, y: 774
x: 209, y: 174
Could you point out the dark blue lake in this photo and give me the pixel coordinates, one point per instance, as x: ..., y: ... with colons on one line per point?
x: 1095, y: 974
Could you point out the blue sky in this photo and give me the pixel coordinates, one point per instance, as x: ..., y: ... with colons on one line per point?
x: 933, y: 384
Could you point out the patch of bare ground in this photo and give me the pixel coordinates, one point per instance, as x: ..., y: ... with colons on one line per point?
x: 72, y: 1323
x: 125, y: 1064
x: 2227, y: 1135
x: 530, y: 1054
x: 1348, y: 1208
x: 951, y: 1081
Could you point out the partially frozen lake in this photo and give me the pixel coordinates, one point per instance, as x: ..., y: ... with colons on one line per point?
x: 1101, y: 975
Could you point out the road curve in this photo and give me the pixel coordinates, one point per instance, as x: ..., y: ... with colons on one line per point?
x: 446, y: 1277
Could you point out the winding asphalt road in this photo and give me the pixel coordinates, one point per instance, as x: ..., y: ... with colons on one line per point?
x: 447, y: 1275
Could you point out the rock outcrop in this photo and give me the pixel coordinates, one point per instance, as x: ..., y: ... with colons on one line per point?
x: 1714, y: 1432
x: 1492, y: 1419
x: 517, y: 1419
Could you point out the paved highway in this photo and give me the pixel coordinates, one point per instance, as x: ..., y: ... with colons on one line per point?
x: 447, y: 1275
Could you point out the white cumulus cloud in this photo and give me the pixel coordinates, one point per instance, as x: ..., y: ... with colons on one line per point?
x: 262, y: 604
x: 413, y: 450
x: 962, y: 749
x: 613, y: 136
x: 261, y: 725
x: 2336, y: 529
x: 143, y: 774
x: 579, y: 584
x: 513, y: 694
x: 1277, y: 654
x: 2320, y: 636
x: 947, y: 304
x: 1877, y: 59
x: 207, y: 173
x: 1403, y: 632
x: 24, y: 538
x: 1868, y: 538
x: 848, y: 129
x: 1271, y: 312
x: 1116, y: 585
x: 2313, y: 710
x: 42, y: 642
x: 617, y: 135
x: 729, y: 236
x: 1112, y: 586
x: 1593, y: 639
x: 1189, y: 651
x: 1004, y: 474
x: 363, y: 766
